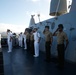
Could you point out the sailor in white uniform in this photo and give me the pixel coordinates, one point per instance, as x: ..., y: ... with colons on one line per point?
x: 20, y: 39
x: 25, y: 45
x: 9, y: 40
x: 36, y: 42
x: 0, y: 40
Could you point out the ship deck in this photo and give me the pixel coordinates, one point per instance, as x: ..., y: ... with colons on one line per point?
x: 21, y: 62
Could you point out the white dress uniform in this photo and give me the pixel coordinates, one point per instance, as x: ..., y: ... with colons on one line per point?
x: 0, y: 40
x: 36, y: 43
x: 9, y: 42
x: 20, y: 40
x: 25, y: 45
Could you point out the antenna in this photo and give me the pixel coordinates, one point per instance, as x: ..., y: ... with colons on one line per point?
x: 39, y: 17
x: 32, y: 16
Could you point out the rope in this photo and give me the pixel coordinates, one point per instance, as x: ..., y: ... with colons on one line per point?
x: 57, y: 7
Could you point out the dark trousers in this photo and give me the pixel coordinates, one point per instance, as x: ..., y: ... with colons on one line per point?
x: 60, y: 49
x: 47, y: 49
x: 28, y: 44
x: 32, y: 47
x: 23, y: 42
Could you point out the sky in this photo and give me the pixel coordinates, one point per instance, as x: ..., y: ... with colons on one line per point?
x: 16, y: 14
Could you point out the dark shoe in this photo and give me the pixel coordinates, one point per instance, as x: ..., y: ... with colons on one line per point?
x: 60, y: 67
x: 47, y: 60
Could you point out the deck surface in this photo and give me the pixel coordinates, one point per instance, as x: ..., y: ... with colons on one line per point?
x: 21, y: 62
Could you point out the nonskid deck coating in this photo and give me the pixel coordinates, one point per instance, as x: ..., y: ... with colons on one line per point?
x: 21, y: 62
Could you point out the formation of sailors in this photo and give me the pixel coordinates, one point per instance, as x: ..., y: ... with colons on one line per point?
x: 32, y: 39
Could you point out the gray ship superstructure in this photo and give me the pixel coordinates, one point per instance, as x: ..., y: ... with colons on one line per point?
x: 66, y: 15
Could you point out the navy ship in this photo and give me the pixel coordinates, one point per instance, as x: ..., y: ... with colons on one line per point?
x: 20, y: 62
x: 63, y: 12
